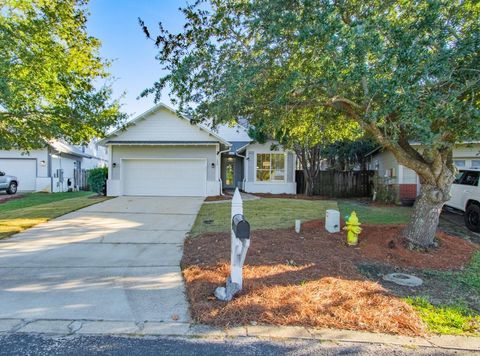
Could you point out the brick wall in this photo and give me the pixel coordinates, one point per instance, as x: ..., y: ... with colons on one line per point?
x: 407, y: 191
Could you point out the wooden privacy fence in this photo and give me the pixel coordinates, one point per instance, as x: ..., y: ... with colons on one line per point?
x: 335, y: 184
x: 80, y: 177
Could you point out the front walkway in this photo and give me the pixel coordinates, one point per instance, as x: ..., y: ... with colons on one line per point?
x: 114, y: 261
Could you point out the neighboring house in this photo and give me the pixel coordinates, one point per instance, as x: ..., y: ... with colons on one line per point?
x: 405, y: 180
x: 98, y: 155
x: 55, y: 168
x: 163, y: 154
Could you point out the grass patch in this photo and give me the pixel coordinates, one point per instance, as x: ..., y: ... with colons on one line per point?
x: 370, y: 214
x: 32, y: 199
x: 447, y: 319
x: 466, y: 281
x: 460, y: 314
x: 261, y: 214
x: 36, y: 208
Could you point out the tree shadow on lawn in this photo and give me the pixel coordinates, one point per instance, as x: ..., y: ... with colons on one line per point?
x: 311, y: 279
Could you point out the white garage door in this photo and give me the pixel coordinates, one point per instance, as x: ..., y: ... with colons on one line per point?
x: 23, y: 169
x: 164, y: 177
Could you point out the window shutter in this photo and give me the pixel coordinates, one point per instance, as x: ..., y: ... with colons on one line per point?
x: 251, y: 166
x: 290, y: 168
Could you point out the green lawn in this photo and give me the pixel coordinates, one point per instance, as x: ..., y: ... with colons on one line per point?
x: 460, y: 315
x: 35, y: 208
x: 369, y: 214
x: 262, y: 214
x: 272, y: 213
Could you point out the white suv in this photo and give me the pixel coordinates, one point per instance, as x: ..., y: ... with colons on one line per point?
x: 465, y: 194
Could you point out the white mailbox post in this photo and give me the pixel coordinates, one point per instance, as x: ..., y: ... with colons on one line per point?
x: 240, y: 241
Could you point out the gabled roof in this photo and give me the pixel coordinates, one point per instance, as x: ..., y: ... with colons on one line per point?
x: 62, y: 147
x: 237, y: 146
x: 153, y: 110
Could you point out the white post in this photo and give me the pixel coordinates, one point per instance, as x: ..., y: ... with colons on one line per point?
x: 298, y: 224
x: 236, y: 244
x: 239, y: 247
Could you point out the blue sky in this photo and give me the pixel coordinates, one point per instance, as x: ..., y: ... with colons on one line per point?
x: 135, y: 68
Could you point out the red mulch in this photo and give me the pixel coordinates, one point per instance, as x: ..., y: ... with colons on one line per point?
x: 218, y: 198
x: 292, y: 196
x: 6, y: 197
x: 311, y: 281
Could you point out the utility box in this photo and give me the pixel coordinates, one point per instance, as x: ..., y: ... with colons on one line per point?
x: 332, y: 221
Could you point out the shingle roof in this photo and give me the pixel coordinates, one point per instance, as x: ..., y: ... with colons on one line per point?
x: 237, y: 145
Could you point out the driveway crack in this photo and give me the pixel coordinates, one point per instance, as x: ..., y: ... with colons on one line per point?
x: 74, y: 326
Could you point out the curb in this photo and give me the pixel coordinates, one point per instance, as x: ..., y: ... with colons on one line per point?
x: 180, y: 329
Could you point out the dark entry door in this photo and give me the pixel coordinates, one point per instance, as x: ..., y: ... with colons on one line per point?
x: 229, y: 173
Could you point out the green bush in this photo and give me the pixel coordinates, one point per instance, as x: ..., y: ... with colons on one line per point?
x: 97, y: 180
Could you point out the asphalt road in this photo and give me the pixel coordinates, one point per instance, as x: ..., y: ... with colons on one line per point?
x: 35, y: 344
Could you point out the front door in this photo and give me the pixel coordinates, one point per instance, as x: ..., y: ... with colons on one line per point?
x: 229, y: 173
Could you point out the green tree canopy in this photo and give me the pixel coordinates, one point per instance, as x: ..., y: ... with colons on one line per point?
x: 50, y: 71
x: 308, y: 132
x: 403, y: 70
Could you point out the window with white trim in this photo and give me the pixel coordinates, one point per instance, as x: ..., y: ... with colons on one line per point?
x: 475, y: 163
x: 270, y: 167
x: 460, y: 163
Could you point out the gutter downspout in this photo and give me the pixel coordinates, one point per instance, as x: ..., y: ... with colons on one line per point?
x: 219, y: 158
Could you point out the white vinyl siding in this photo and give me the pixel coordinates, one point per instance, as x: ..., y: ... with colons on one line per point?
x: 164, y: 125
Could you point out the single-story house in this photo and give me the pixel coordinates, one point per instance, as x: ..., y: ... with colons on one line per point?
x: 54, y: 168
x: 407, y: 182
x: 163, y: 154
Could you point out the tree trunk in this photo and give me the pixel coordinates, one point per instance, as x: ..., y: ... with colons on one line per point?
x: 422, y: 229
x: 310, y: 160
x: 309, y: 183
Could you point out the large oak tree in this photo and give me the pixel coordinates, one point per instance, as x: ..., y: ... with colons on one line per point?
x: 403, y: 70
x: 53, y: 82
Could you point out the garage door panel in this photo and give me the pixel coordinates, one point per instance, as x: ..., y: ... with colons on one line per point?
x: 23, y: 169
x: 164, y: 177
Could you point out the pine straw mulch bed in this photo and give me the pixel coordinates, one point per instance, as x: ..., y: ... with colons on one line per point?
x: 311, y: 281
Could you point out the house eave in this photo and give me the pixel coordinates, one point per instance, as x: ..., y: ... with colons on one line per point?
x: 162, y: 143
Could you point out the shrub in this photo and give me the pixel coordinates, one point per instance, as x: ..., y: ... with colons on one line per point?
x: 385, y: 191
x: 97, y: 180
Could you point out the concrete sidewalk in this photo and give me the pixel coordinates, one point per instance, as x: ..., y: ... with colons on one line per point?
x: 179, y: 329
x: 116, y: 260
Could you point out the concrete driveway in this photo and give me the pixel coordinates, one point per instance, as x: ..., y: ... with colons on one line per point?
x: 117, y: 260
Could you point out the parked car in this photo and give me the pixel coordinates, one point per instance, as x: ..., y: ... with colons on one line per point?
x: 8, y: 183
x: 465, y: 196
